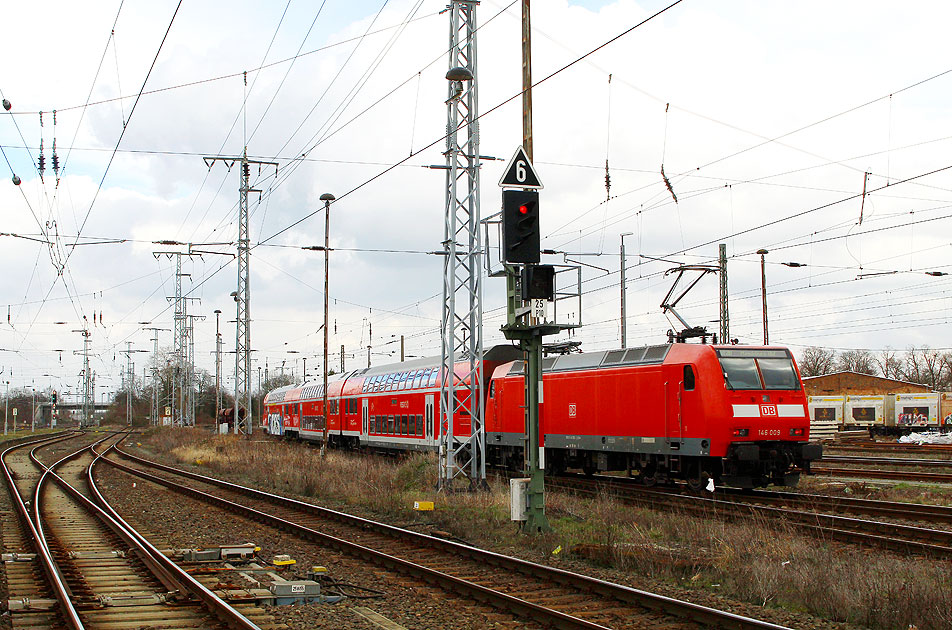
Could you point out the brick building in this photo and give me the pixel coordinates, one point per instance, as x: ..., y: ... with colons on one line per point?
x: 854, y: 383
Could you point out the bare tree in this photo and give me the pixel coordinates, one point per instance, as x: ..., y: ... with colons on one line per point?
x: 890, y: 365
x: 816, y: 361
x: 925, y: 366
x: 859, y: 361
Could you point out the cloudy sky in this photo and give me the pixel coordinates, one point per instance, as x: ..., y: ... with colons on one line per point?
x: 767, y: 117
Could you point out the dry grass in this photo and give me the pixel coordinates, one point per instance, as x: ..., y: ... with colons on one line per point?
x: 750, y: 560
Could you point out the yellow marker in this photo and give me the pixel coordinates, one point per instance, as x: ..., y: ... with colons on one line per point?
x: 283, y: 561
x: 423, y: 506
x: 318, y: 569
x: 557, y: 550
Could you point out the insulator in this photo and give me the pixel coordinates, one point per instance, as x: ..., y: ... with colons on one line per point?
x: 41, y: 164
x: 245, y: 170
x: 55, y: 163
x: 6, y: 105
x: 16, y: 180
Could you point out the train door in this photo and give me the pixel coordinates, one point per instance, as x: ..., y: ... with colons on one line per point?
x: 365, y: 417
x: 673, y: 391
x: 691, y: 409
x: 428, y: 418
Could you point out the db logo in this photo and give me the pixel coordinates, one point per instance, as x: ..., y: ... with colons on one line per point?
x: 768, y: 410
x: 572, y: 411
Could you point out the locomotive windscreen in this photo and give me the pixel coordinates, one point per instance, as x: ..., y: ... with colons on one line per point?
x: 750, y: 368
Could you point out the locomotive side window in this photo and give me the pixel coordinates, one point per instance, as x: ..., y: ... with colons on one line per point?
x: 492, y: 389
x: 688, y: 378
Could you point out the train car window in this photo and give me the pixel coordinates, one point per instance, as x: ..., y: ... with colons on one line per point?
x: 418, y: 378
x: 688, y: 378
x: 390, y: 424
x: 419, y: 424
x: 404, y: 425
x: 403, y: 380
x: 434, y: 373
x: 297, y: 409
x: 413, y: 427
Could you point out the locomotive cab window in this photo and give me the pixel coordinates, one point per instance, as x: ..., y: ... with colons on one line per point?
x: 758, y: 369
x: 688, y: 378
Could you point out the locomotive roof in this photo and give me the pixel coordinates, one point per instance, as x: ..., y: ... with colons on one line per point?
x: 641, y: 355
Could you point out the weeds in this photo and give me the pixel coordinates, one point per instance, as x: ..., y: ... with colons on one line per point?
x: 752, y: 559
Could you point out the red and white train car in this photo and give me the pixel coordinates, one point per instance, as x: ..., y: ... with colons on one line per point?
x: 735, y: 414
x: 389, y: 407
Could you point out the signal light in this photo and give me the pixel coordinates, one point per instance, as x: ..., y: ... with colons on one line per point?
x: 538, y: 282
x: 741, y: 432
x: 520, y: 226
x: 796, y: 432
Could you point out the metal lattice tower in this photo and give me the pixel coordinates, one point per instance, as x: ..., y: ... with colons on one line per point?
x: 725, y: 329
x: 154, y: 418
x: 191, y: 382
x: 243, y: 293
x: 461, y: 324
x: 88, y: 395
x: 180, y: 372
x: 243, y: 326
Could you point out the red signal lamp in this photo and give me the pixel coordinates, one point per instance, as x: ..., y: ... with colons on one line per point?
x: 523, y: 209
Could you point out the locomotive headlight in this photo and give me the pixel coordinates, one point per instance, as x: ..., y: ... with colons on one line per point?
x: 741, y: 432
x: 797, y: 432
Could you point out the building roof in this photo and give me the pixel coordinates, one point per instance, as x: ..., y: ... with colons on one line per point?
x: 815, y: 381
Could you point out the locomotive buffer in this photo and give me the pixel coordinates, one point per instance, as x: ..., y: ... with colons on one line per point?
x: 529, y: 287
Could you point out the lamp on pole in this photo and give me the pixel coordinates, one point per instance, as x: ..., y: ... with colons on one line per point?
x: 33, y: 416
x: 327, y: 198
x: 234, y: 294
x: 763, y: 291
x: 217, y: 366
x: 6, y: 408
x: 624, y: 336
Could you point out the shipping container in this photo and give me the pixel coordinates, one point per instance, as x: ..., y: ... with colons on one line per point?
x: 826, y: 416
x: 916, y: 410
x: 863, y: 412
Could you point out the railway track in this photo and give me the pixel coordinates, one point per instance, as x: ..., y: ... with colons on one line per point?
x: 97, y: 572
x: 897, y: 537
x: 871, y: 473
x: 891, y: 447
x: 899, y: 462
x: 548, y: 596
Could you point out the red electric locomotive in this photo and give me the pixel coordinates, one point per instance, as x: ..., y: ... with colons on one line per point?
x: 734, y: 414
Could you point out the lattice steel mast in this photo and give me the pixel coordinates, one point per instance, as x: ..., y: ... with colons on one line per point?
x: 461, y: 322
x: 243, y: 292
